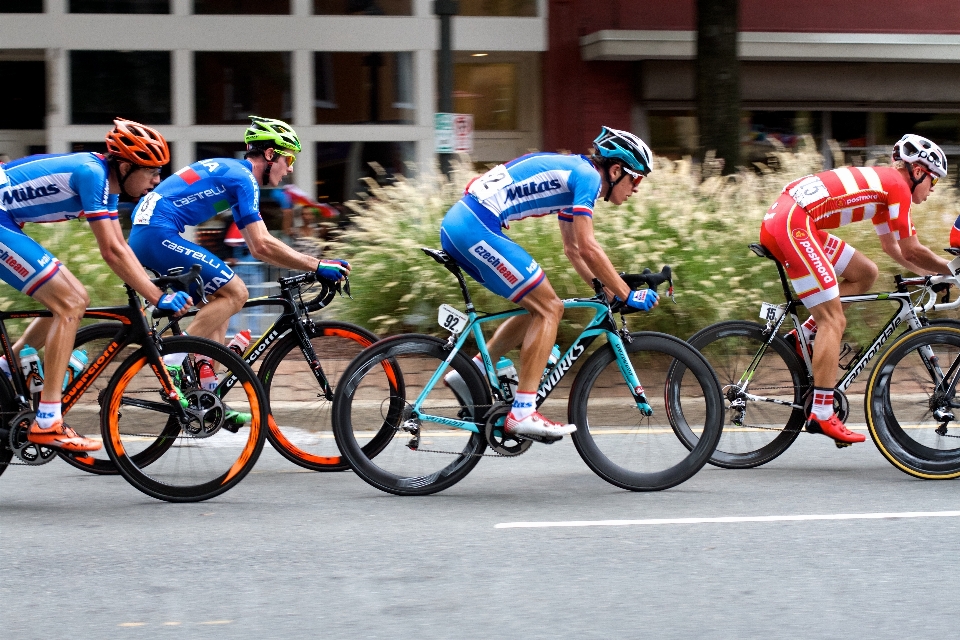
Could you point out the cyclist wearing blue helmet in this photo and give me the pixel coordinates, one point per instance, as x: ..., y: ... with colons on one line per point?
x: 534, y: 185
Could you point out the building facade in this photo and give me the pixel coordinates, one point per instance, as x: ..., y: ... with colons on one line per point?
x: 356, y: 78
x: 862, y: 72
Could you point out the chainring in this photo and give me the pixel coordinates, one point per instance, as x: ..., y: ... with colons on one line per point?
x: 841, y: 406
x: 207, y: 412
x: 497, y: 438
x: 28, y: 452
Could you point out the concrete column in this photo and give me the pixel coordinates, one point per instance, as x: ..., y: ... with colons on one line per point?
x: 55, y: 6
x: 58, y: 100
x: 305, y: 171
x: 181, y: 7
x: 827, y: 126
x: 183, y: 106
x: 301, y: 8
x: 425, y: 81
x: 422, y: 8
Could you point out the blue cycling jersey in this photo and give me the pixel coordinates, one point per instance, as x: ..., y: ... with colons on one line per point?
x: 199, y: 192
x: 538, y: 184
x: 56, y: 187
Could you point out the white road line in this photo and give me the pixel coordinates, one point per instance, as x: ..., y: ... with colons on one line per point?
x: 726, y: 519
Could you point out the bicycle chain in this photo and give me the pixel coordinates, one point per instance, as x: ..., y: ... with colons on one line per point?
x: 460, y: 453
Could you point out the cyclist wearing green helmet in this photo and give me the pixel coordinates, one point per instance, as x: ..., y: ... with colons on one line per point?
x: 216, y: 186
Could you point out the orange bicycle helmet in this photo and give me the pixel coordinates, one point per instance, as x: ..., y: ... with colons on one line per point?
x: 136, y: 143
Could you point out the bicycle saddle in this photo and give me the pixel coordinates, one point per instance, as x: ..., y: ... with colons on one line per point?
x: 954, y: 251
x: 440, y: 256
x: 762, y: 251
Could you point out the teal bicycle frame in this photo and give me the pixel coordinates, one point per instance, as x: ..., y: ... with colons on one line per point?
x: 602, y: 324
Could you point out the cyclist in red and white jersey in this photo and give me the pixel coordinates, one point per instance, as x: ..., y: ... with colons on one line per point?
x: 794, y: 230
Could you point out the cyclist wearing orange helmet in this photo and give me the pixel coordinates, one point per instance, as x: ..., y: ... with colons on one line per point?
x: 58, y: 187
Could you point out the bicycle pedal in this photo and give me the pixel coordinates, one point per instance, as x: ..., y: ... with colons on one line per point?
x: 232, y: 428
x: 841, y: 445
x: 543, y: 439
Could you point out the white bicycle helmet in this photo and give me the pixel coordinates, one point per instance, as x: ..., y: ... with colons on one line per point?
x: 912, y: 148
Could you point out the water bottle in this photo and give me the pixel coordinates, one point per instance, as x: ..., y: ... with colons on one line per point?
x: 208, y: 377
x: 240, y: 342
x: 552, y: 359
x: 506, y: 372
x: 32, y: 368
x: 78, y: 362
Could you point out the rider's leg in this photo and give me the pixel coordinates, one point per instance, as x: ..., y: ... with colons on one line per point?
x: 858, y: 276
x: 830, y: 326
x: 212, y: 319
x: 66, y: 298
x: 545, y: 309
x: 509, y: 335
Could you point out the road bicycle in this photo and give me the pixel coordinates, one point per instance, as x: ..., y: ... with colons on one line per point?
x: 766, y: 384
x: 169, y: 438
x: 430, y: 435
x: 301, y: 361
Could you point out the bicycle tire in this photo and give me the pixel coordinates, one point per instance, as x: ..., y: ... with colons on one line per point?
x: 400, y: 469
x: 98, y: 463
x: 336, y: 344
x: 600, y: 399
x: 898, y: 405
x: 205, y: 459
x: 766, y: 430
x: 7, y: 412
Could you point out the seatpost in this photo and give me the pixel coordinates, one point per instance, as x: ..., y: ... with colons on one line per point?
x: 455, y: 270
x: 783, y: 282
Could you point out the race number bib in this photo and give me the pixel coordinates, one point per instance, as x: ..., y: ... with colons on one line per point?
x: 145, y: 209
x: 452, y: 319
x: 771, y: 312
x: 489, y: 183
x: 809, y: 191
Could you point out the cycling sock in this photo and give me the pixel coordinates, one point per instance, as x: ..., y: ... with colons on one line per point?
x: 477, y: 360
x: 5, y: 367
x: 47, y: 414
x: 524, y: 404
x: 809, y: 328
x: 822, y: 403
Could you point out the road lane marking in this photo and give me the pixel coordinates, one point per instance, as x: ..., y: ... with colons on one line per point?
x: 132, y: 624
x: 727, y: 519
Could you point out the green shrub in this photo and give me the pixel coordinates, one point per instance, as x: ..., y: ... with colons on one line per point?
x: 699, y: 224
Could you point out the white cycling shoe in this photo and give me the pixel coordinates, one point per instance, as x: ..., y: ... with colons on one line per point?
x: 454, y: 382
x: 537, y: 426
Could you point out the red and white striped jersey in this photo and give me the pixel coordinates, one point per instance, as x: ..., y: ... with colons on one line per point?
x: 851, y: 194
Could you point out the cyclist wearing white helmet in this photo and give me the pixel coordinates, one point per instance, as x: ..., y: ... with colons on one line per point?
x: 794, y: 231
x: 535, y: 185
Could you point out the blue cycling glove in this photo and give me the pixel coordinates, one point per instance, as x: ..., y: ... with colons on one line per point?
x: 642, y: 300
x: 173, y: 302
x: 332, y: 270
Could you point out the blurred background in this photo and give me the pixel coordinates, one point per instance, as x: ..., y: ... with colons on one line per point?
x: 359, y: 80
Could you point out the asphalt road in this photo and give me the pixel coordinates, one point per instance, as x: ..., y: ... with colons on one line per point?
x: 290, y: 554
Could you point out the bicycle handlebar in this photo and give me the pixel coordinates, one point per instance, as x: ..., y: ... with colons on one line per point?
x: 328, y: 289
x: 635, y: 281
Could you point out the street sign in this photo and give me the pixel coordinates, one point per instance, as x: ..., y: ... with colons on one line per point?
x: 453, y: 132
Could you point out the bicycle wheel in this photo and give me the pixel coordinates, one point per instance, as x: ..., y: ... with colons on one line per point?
x: 420, y: 457
x: 903, y: 397
x: 8, y: 410
x: 756, y: 428
x: 300, y: 426
x: 642, y: 453
x: 84, y: 416
x: 203, y: 457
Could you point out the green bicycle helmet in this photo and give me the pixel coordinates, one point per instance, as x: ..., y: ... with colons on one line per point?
x: 267, y: 133
x: 625, y: 147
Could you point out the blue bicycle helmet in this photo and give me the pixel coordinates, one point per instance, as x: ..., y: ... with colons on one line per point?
x: 625, y: 147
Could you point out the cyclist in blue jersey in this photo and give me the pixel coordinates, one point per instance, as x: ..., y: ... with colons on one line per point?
x: 57, y: 187
x: 206, y: 188
x: 542, y: 184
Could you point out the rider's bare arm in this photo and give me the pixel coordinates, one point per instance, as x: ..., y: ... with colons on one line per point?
x: 914, y: 255
x: 587, y: 256
x: 265, y: 248
x: 120, y: 258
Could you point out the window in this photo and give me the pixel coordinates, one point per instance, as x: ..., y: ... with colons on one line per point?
x: 26, y: 107
x: 21, y: 6
x: 129, y: 84
x: 511, y: 8
x: 362, y: 7
x: 248, y: 7
x: 355, y: 88
x: 233, y: 85
x: 489, y: 92
x: 341, y: 165
x: 119, y: 6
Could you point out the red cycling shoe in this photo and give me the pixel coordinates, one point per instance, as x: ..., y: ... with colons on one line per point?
x: 833, y: 428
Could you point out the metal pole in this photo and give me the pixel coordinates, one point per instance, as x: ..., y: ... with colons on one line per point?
x: 445, y: 9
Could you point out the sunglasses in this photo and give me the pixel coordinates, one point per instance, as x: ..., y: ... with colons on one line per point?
x: 291, y: 158
x: 634, y: 176
x: 933, y: 180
